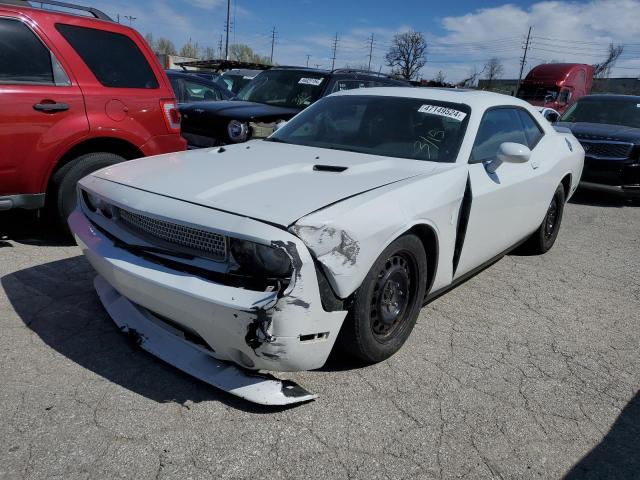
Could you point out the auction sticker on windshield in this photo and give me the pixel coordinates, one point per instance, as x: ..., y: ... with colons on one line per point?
x: 311, y: 81
x: 443, y: 112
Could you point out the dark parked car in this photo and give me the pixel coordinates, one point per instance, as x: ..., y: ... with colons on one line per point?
x: 193, y: 88
x: 608, y: 127
x: 273, y: 97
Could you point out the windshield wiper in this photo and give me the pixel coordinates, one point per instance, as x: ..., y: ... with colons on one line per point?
x: 274, y: 139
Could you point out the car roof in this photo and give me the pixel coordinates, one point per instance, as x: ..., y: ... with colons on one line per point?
x: 474, y: 98
x: 87, y: 14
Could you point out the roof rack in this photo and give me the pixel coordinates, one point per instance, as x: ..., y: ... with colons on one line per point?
x: 100, y: 15
x: 218, y: 65
x: 366, y: 72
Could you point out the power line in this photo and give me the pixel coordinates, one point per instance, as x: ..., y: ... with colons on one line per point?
x: 226, y: 48
x: 335, y: 48
x: 273, y: 41
x: 524, y: 58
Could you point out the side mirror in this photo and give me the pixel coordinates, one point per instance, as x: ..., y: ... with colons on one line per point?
x: 509, y: 152
x: 551, y: 116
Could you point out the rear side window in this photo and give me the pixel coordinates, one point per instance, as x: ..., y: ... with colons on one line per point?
x: 114, y: 59
x: 23, y: 57
x: 532, y: 130
x: 497, y: 126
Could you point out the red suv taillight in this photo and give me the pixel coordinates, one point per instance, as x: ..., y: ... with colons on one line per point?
x: 171, y: 114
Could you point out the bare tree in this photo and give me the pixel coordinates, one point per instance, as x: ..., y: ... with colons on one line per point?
x: 603, y: 69
x: 493, y: 70
x: 439, y: 78
x: 208, y: 53
x: 471, y: 80
x: 189, y: 49
x: 245, y: 53
x: 164, y: 45
x: 150, y: 40
x: 407, y: 54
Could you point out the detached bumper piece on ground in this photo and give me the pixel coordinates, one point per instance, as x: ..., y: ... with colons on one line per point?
x: 169, y: 345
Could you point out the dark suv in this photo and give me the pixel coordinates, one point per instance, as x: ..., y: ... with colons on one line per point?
x: 608, y: 127
x: 274, y: 96
x: 79, y: 92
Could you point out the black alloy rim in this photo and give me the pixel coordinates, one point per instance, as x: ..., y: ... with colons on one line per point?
x: 393, y: 295
x: 551, y: 220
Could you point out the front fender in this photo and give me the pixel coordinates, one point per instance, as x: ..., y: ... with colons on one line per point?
x: 347, y: 238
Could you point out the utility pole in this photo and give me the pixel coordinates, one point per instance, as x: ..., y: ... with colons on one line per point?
x: 131, y: 19
x: 335, y: 48
x: 118, y: 17
x: 524, y: 59
x: 273, y: 41
x: 370, y: 50
x: 308, y: 57
x: 220, y: 47
x: 226, y: 48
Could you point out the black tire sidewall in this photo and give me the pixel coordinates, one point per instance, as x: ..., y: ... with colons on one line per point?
x: 67, y: 178
x: 367, y: 347
x: 547, y: 243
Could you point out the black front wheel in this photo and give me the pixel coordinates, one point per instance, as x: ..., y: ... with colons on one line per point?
x: 545, y: 236
x: 386, y: 306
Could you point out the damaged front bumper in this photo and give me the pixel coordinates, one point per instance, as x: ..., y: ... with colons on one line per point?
x: 285, y: 330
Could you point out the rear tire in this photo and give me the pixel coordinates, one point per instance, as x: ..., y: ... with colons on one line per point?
x: 64, y: 181
x: 545, y: 236
x: 386, y: 306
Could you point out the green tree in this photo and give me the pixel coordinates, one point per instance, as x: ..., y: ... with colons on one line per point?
x: 243, y: 53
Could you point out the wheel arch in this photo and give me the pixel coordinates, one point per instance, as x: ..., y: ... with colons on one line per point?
x: 566, y: 184
x: 429, y: 238
x: 117, y: 146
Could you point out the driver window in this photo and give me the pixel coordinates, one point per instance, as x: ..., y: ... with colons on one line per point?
x: 497, y: 126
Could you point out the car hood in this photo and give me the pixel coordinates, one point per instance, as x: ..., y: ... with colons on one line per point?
x: 602, y: 131
x: 271, y: 182
x: 237, y: 110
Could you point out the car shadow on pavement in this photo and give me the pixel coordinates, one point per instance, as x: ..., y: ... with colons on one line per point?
x: 599, y: 199
x: 617, y: 456
x: 57, y: 302
x: 28, y: 228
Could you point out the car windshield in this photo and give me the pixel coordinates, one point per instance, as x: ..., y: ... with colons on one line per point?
x: 285, y: 88
x: 609, y: 111
x: 537, y: 93
x: 418, y: 129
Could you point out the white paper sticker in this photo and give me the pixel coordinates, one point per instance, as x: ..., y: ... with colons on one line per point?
x: 311, y: 81
x: 443, y: 112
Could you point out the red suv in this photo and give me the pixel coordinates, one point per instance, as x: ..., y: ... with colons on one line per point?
x: 78, y: 92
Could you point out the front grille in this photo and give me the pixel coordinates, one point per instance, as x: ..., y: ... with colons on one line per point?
x: 210, y: 244
x: 606, y: 150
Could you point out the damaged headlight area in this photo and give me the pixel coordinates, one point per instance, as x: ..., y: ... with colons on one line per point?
x: 238, y: 131
x: 97, y: 204
x: 261, y: 259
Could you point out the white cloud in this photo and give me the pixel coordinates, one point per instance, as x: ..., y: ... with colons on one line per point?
x: 562, y: 31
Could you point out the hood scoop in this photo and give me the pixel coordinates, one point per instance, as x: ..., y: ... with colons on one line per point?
x: 329, y: 168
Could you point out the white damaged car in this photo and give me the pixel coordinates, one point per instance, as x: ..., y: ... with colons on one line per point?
x: 235, y: 261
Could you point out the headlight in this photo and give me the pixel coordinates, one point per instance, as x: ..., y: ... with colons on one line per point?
x: 238, y: 131
x: 261, y: 258
x: 95, y: 203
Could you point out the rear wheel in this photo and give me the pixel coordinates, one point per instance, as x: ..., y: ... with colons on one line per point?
x: 64, y: 181
x: 543, y: 239
x: 386, y: 306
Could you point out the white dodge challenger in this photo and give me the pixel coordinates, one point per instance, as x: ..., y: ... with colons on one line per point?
x: 233, y: 262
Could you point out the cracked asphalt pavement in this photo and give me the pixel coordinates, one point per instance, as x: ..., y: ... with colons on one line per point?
x: 531, y: 369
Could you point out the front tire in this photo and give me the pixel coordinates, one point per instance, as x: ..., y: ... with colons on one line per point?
x: 386, y: 306
x: 545, y: 236
x: 64, y: 181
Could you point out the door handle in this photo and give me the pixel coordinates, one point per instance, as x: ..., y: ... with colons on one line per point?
x: 51, y: 107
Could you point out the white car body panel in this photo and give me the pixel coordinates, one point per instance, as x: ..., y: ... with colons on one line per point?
x: 333, y: 225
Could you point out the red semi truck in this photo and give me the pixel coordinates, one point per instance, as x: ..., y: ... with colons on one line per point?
x: 556, y: 85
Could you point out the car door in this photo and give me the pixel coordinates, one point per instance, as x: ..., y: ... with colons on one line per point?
x: 505, y: 206
x: 39, y: 109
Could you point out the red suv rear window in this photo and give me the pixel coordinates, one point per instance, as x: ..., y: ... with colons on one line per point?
x: 114, y: 59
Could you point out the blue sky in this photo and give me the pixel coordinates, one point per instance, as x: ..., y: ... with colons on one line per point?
x: 461, y: 35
